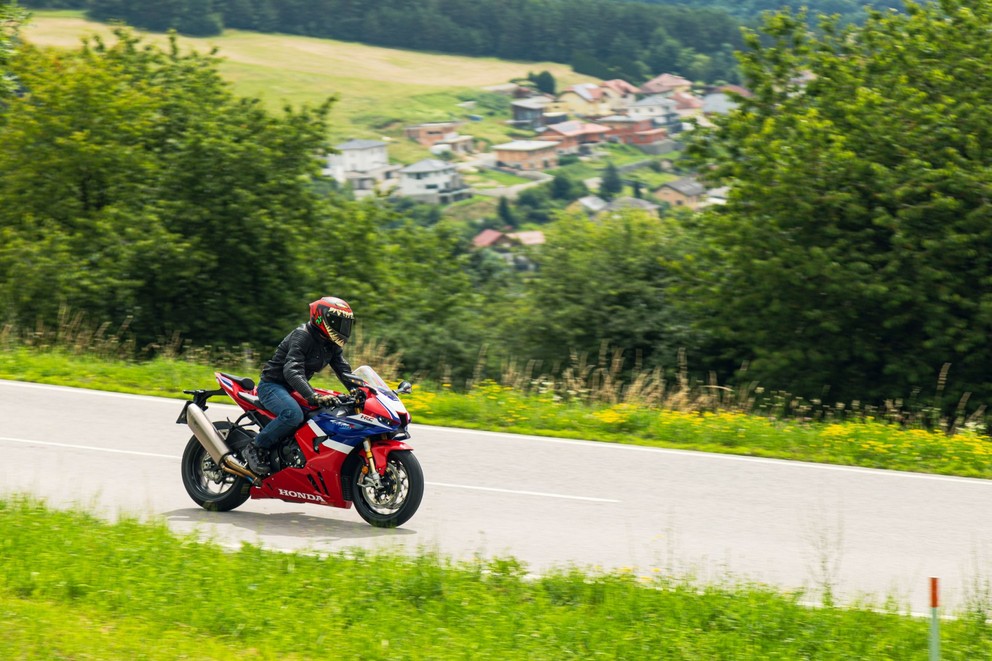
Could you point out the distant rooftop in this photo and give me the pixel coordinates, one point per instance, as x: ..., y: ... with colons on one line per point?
x: 359, y: 144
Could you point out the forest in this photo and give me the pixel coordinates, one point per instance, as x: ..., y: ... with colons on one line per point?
x: 850, y: 263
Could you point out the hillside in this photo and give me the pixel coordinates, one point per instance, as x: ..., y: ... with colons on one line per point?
x: 379, y: 89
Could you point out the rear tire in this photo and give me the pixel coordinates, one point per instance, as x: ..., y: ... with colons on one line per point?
x: 403, y: 490
x: 207, y: 484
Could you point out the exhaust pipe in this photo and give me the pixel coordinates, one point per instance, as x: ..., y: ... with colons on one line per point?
x: 214, y: 444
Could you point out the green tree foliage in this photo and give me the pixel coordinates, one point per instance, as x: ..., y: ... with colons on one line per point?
x: 193, y: 17
x: 611, y: 184
x: 856, y: 248
x: 602, y: 284
x: 544, y: 81
x: 11, y: 19
x: 505, y: 213
x: 135, y: 185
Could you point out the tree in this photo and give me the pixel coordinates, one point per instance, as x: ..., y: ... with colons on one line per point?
x: 611, y: 183
x: 11, y: 18
x: 136, y: 185
x: 545, y: 82
x: 605, y: 283
x: 505, y: 213
x: 855, y: 251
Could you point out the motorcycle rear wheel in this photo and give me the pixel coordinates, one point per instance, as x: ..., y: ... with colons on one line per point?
x: 210, y: 487
x: 398, y: 500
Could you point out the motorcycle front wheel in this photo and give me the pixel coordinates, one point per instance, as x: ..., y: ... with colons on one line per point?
x: 397, y: 499
x: 210, y: 487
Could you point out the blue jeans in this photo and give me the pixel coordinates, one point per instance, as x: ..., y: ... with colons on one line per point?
x: 289, y: 415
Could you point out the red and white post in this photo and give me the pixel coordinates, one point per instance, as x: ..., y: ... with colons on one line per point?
x: 934, y: 620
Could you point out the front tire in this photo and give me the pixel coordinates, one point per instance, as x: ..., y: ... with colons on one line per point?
x: 207, y: 484
x: 398, y: 500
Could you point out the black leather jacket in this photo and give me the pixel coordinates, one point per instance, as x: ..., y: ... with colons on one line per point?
x: 300, y: 355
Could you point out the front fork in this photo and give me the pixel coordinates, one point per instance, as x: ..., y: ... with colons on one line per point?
x: 370, y: 474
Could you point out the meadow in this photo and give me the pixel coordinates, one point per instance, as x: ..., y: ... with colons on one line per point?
x: 132, y: 590
x: 379, y: 90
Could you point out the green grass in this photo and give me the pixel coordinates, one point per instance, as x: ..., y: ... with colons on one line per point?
x: 74, y: 587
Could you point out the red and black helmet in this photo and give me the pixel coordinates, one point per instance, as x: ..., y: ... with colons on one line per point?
x: 333, y: 318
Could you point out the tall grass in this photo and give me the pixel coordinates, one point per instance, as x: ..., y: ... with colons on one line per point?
x: 72, y: 586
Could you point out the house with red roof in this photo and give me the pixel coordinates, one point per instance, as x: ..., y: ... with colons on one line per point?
x: 666, y: 83
x: 573, y: 135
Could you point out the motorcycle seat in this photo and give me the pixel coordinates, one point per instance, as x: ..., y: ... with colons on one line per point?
x: 251, y: 399
x: 242, y: 381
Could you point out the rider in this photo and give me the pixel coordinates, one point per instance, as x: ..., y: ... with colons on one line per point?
x: 304, y: 352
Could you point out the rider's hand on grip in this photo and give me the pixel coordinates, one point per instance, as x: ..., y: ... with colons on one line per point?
x: 325, y: 401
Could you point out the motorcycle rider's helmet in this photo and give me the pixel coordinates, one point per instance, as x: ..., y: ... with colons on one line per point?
x: 332, y: 318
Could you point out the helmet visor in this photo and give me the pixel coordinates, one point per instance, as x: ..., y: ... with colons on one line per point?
x: 339, y: 324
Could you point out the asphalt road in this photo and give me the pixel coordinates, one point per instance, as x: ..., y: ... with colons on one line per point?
x: 550, y: 503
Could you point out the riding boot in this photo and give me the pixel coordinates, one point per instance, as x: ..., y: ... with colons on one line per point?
x: 257, y: 458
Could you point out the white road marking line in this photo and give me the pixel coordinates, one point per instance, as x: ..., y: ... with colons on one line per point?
x: 433, y: 484
x: 523, y: 493
x: 89, y: 447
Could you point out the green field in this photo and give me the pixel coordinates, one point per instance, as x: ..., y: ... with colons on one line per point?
x: 379, y: 90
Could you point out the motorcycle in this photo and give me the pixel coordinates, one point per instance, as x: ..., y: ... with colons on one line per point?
x: 351, y: 453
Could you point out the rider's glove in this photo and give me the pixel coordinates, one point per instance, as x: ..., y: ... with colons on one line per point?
x: 324, y: 401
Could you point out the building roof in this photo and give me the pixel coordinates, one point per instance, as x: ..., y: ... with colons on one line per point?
x: 359, y: 144
x: 526, y: 145
x: 687, y: 186
x: 589, y: 92
x: 666, y: 82
x: 735, y: 89
x: 531, y: 238
x: 427, y: 165
x: 532, y: 103
x: 719, y: 103
x: 620, y: 86
x: 577, y: 127
x: 486, y: 238
x: 686, y: 101
x: 653, y: 100
x: 592, y: 203
x: 631, y: 203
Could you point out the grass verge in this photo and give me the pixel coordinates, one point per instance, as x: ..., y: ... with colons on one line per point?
x: 72, y: 586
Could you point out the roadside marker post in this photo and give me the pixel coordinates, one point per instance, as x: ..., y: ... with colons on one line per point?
x: 934, y: 620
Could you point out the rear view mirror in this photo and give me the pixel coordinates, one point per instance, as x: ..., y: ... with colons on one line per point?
x: 405, y: 388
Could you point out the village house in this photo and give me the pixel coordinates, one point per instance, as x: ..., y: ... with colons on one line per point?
x: 574, y: 136
x: 527, y: 154
x: 595, y: 206
x: 619, y: 94
x: 363, y: 164
x: 687, y: 105
x: 504, y: 243
x: 529, y: 113
x: 490, y: 238
x: 431, y: 133
x: 640, y: 132
x: 433, y: 181
x: 666, y: 84
x: 659, y: 109
x: 686, y: 192
x: 441, y: 137
x: 583, y: 100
